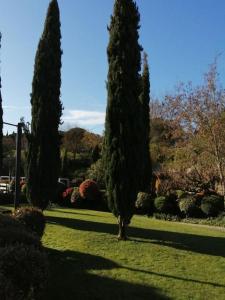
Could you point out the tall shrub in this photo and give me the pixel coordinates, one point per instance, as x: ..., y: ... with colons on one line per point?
x: 44, y: 155
x: 145, y: 179
x: 122, y: 126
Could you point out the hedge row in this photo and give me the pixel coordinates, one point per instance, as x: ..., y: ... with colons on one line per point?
x: 181, y: 204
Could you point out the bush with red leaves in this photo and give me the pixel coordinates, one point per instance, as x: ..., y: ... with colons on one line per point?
x: 67, y: 193
x: 89, y: 190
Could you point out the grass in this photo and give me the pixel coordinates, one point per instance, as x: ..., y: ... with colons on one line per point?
x: 161, y: 260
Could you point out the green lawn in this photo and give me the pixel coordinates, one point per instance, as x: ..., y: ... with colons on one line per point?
x: 162, y: 260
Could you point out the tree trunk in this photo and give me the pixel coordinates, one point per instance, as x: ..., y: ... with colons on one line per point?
x: 122, y: 229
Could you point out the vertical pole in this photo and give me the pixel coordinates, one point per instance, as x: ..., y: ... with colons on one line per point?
x: 18, y: 161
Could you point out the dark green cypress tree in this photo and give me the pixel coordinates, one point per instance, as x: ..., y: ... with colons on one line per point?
x: 44, y: 142
x: 122, y: 128
x: 95, y: 154
x: 64, y: 163
x: 1, y: 122
x: 146, y: 172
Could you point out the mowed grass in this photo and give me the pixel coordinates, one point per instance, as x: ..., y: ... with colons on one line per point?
x: 161, y: 260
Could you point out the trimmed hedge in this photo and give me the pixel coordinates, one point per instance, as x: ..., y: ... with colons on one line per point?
x: 166, y: 205
x: 23, y: 272
x: 212, y: 205
x: 188, y: 207
x: 89, y: 190
x: 32, y: 218
x: 13, y: 232
x: 23, y: 262
x: 144, y: 203
x: 76, y: 199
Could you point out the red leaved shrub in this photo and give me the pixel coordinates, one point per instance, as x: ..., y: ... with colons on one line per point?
x: 89, y: 190
x: 67, y: 193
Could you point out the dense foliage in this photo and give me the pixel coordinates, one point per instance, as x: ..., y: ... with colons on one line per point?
x: 212, y: 205
x: 166, y: 204
x: 23, y: 262
x: 32, y: 218
x: 144, y: 203
x: 187, y: 135
x: 189, y: 207
x: 122, y: 125
x: 89, y: 190
x: 145, y: 179
x: 76, y: 199
x: 44, y: 140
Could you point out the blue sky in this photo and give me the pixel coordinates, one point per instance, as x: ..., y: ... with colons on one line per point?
x: 181, y: 37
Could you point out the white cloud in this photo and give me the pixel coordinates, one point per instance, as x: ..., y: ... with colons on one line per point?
x: 84, y: 117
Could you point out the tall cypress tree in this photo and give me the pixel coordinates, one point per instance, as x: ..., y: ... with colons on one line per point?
x: 146, y: 172
x: 44, y: 142
x: 1, y: 122
x: 122, y: 126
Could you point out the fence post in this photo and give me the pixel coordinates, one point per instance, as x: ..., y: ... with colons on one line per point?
x: 18, y: 163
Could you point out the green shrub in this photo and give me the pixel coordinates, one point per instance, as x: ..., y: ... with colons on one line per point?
x: 32, y: 218
x: 144, y: 203
x: 23, y: 272
x: 212, y: 205
x: 23, y: 263
x: 96, y: 172
x: 13, y: 232
x: 76, y: 199
x: 181, y: 194
x: 189, y: 208
x: 166, y: 205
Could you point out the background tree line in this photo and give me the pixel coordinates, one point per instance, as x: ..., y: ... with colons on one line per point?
x: 79, y: 148
x: 188, y: 134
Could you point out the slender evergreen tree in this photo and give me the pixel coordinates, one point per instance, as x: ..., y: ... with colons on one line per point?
x: 122, y: 126
x: 146, y: 172
x: 1, y: 122
x: 44, y: 142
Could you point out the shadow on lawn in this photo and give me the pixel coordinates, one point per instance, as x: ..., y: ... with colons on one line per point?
x: 184, y: 241
x: 69, y: 279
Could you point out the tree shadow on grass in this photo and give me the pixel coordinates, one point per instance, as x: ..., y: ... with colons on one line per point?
x: 69, y: 279
x: 183, y: 241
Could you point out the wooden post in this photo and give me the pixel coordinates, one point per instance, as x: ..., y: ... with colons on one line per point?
x: 18, y: 163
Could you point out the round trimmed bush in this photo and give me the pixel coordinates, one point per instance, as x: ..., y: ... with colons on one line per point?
x: 89, y: 190
x: 13, y: 232
x: 188, y: 207
x: 180, y: 194
x: 23, y: 263
x: 23, y: 272
x: 166, y: 205
x: 212, y: 205
x: 144, y: 203
x: 76, y: 199
x: 32, y: 218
